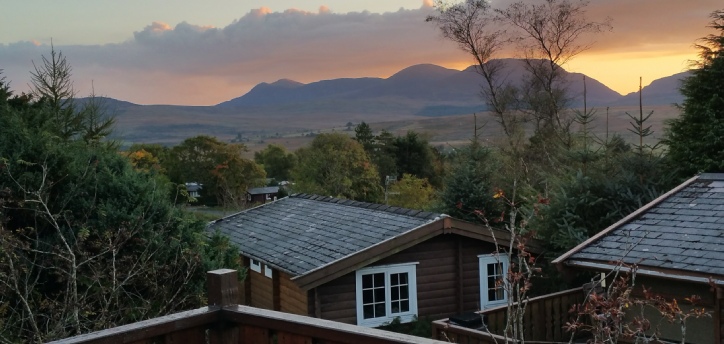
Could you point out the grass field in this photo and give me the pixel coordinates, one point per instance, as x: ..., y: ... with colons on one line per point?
x: 170, y: 125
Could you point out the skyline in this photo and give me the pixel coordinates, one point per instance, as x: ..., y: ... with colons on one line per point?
x: 205, y: 53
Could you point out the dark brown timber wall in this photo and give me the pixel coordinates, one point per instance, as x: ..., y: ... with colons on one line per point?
x: 447, y: 280
x: 262, y: 290
x: 698, y: 330
x: 291, y: 298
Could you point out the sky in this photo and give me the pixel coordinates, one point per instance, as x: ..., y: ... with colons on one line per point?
x: 190, y: 52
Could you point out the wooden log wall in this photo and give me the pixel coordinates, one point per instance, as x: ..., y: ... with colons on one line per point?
x: 448, y: 280
x: 262, y: 290
x: 291, y: 298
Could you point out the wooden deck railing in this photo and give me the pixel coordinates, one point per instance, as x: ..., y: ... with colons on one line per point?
x: 224, y: 321
x: 543, y: 321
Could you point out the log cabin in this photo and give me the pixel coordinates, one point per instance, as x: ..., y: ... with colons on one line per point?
x: 676, y: 243
x: 675, y: 246
x: 365, y: 264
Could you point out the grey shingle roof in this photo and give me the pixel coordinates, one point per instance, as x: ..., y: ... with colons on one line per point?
x: 684, y: 231
x: 302, y: 232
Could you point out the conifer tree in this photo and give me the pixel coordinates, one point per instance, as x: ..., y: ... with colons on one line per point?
x: 695, y: 138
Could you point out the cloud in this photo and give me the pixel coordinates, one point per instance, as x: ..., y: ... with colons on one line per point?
x: 261, y: 46
x: 195, y: 64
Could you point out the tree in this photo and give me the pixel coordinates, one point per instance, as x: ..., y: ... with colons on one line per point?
x: 53, y: 87
x: 411, y: 192
x: 365, y: 136
x: 694, y: 138
x: 276, y: 161
x: 336, y: 165
x: 380, y: 149
x: 86, y: 241
x: 546, y: 36
x: 415, y: 156
x: 218, y: 166
x: 469, y: 185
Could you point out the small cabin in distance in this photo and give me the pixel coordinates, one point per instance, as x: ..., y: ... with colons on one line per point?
x: 262, y: 195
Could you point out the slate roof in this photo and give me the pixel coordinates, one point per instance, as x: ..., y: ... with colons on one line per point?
x: 263, y: 190
x: 683, y: 231
x: 302, y: 232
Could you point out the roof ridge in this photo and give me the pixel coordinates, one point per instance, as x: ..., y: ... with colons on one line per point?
x: 372, y: 206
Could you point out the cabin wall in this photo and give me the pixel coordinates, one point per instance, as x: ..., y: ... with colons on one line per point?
x: 447, y: 280
x: 277, y: 293
x: 262, y: 290
x: 698, y: 330
x: 291, y: 298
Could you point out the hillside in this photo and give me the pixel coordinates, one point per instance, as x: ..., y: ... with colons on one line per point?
x: 289, y: 109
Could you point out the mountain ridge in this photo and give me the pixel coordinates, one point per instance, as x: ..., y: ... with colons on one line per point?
x: 427, y: 84
x: 418, y: 92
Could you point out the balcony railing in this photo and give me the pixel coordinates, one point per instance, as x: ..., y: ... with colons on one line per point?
x: 543, y: 321
x: 224, y: 321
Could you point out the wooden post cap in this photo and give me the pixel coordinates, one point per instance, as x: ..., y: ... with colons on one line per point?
x: 222, y: 287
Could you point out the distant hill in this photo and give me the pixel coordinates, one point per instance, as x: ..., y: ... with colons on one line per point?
x: 424, y: 89
x: 660, y: 92
x: 416, y: 92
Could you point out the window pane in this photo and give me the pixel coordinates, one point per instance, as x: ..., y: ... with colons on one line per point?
x: 404, y: 306
x: 366, y: 281
x: 491, y: 269
x: 367, y: 296
x: 380, y: 310
x: 379, y: 279
x: 395, y: 293
x: 394, y: 279
x: 404, y: 292
x: 500, y: 293
x: 403, y: 278
x: 379, y: 294
x: 369, y: 311
x: 395, y: 307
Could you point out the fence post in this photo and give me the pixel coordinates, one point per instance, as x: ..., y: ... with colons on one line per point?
x: 222, y: 287
x: 223, y: 290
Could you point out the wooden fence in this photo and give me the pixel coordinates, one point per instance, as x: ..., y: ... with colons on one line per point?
x: 543, y: 319
x: 224, y: 321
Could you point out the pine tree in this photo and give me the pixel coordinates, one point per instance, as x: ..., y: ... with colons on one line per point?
x: 695, y: 139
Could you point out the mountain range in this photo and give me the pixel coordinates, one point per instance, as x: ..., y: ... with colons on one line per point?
x: 434, y: 87
x: 420, y: 90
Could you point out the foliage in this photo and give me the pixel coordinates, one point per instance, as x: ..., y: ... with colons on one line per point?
x: 365, y: 136
x: 612, y: 314
x: 276, y: 161
x: 336, y: 165
x: 411, y: 192
x: 53, y: 87
x: 694, y: 138
x: 86, y: 241
x: 218, y: 166
x: 469, y: 184
x: 415, y: 156
x: 614, y: 182
x: 417, y: 327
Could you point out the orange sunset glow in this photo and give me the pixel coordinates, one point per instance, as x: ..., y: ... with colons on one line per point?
x: 195, y: 59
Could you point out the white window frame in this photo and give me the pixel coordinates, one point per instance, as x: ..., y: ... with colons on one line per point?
x: 267, y: 271
x: 483, y: 261
x: 255, y: 265
x: 411, y: 270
